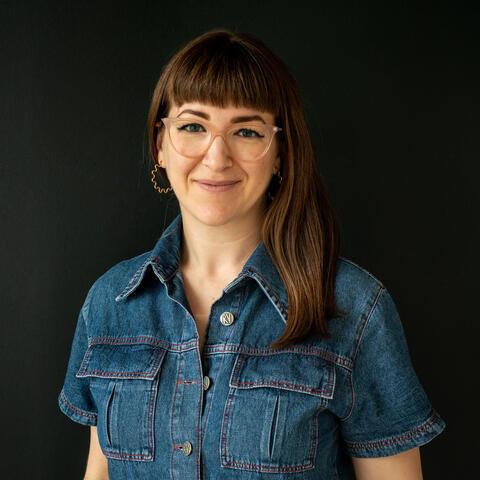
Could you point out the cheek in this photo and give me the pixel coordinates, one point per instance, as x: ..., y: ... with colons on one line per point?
x: 178, y: 168
x: 262, y: 174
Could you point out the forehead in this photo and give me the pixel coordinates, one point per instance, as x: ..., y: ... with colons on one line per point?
x: 222, y: 115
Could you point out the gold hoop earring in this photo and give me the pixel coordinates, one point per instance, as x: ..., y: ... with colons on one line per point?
x: 155, y: 185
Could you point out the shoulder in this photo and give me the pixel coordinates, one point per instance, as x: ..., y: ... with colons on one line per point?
x: 357, y: 291
x: 107, y: 286
x: 354, y: 283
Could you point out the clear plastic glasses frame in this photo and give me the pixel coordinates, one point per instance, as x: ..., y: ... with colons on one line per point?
x: 214, y: 132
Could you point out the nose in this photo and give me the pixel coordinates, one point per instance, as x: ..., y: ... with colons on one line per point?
x: 218, y: 156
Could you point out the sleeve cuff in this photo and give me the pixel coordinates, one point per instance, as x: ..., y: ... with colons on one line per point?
x: 75, y: 413
x: 392, y: 445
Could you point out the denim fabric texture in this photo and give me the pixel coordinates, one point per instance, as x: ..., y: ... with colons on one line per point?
x: 240, y: 410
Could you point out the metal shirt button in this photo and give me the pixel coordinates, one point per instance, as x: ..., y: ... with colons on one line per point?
x: 206, y: 382
x: 227, y: 318
x: 187, y: 448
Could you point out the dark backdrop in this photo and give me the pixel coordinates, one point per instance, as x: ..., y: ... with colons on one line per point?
x: 392, y: 101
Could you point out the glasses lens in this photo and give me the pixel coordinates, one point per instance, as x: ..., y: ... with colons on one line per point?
x: 246, y: 142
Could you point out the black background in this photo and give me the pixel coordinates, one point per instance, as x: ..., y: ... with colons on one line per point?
x: 391, y: 95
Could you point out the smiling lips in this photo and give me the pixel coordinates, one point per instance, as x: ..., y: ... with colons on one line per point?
x: 213, y: 182
x: 216, y: 186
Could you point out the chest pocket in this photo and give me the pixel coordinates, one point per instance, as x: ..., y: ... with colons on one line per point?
x: 124, y: 381
x: 270, y: 421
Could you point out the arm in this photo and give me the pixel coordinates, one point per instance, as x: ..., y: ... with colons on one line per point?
x: 390, y: 413
x: 97, y: 467
x: 403, y: 466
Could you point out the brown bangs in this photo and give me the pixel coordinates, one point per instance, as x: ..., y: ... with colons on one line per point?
x: 220, y: 72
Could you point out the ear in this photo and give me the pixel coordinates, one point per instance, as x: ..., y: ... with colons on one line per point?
x: 276, y: 165
x: 160, y: 154
x: 160, y: 159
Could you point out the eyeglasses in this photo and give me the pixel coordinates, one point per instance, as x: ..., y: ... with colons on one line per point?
x: 192, y: 138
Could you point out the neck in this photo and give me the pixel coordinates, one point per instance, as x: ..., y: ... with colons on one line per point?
x: 218, y: 251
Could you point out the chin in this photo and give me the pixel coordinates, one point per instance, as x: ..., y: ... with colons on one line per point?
x: 213, y: 216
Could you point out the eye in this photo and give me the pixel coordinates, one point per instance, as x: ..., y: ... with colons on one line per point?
x: 249, y: 132
x: 184, y: 128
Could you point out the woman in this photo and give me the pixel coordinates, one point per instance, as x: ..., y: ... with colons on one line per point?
x: 242, y: 345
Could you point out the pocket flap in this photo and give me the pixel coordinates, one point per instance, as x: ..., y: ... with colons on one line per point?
x: 298, y: 372
x: 131, y: 361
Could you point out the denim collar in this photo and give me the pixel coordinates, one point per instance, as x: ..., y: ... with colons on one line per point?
x: 164, y: 259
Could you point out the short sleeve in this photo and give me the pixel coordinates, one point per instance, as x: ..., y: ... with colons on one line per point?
x: 75, y: 399
x: 390, y: 410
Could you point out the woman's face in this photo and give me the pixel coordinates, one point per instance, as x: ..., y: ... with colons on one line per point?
x: 247, y: 198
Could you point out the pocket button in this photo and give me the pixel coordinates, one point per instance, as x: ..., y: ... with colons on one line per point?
x: 227, y: 318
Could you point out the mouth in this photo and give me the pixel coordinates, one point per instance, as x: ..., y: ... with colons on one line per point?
x: 216, y: 182
x: 212, y: 186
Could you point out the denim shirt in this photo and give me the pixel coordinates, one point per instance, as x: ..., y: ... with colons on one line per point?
x: 240, y: 409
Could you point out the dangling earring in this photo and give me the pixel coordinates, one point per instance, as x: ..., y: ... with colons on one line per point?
x: 279, y: 176
x: 155, y: 186
x: 279, y: 180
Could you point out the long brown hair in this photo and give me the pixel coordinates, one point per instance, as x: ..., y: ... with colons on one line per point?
x: 300, y: 230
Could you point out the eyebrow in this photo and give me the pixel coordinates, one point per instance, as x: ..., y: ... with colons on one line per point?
x: 240, y: 119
